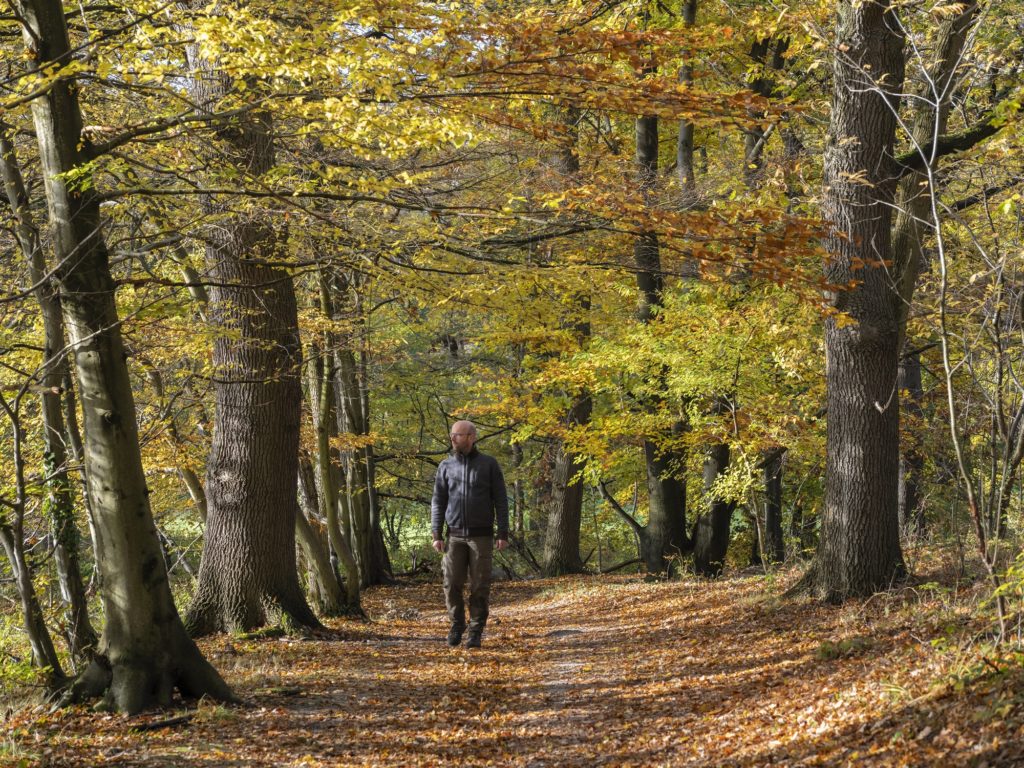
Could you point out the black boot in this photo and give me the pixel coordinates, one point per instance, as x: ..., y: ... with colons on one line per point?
x: 473, y: 639
x: 455, y: 635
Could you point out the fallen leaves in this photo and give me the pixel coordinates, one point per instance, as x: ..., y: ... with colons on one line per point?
x: 576, y: 672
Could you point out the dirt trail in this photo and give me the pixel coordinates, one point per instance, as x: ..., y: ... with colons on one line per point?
x: 575, y: 672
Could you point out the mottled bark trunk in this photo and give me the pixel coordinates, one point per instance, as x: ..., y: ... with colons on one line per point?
x: 144, y: 652
x: 859, y: 548
x: 59, y: 505
x: 325, y: 588
x: 711, y: 531
x: 350, y: 414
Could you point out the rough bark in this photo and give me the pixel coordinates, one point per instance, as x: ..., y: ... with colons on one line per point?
x: 144, y: 652
x: 562, y: 536
x: 859, y: 548
x: 248, y: 576
x: 325, y: 588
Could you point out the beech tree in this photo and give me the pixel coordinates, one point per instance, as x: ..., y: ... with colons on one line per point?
x: 144, y: 652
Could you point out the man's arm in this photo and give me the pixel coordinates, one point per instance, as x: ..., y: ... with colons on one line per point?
x: 438, y: 504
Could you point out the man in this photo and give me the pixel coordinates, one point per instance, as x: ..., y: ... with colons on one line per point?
x: 469, y: 493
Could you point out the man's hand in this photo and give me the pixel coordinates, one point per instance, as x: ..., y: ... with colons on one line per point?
x: 501, y: 544
x: 439, y: 545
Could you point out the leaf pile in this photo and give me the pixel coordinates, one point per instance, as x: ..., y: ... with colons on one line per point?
x: 578, y: 672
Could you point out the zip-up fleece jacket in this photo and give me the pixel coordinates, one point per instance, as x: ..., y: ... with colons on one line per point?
x: 469, y: 492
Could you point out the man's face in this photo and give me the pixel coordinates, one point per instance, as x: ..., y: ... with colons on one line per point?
x: 463, y: 439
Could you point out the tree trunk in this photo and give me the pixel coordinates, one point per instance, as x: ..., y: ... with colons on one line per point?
x: 60, y: 508
x: 711, y: 532
x: 562, y: 537
x: 859, y: 548
x: 774, y: 549
x: 321, y: 398
x: 44, y: 654
x: 324, y: 586
x: 144, y: 652
x: 248, y: 576
x: 664, y: 536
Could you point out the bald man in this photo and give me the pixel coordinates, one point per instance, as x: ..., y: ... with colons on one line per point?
x: 469, y: 495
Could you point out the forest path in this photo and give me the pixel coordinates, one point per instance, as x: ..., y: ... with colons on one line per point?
x: 576, y: 672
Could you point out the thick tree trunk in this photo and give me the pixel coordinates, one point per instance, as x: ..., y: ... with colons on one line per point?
x: 711, y: 531
x: 60, y: 508
x: 859, y: 548
x: 248, y: 576
x: 144, y: 652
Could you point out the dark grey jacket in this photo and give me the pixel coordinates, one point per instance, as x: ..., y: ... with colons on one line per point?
x: 469, y: 492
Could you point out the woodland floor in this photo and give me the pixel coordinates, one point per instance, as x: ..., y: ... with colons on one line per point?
x: 585, y: 672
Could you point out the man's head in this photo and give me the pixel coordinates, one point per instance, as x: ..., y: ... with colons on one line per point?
x: 463, y: 436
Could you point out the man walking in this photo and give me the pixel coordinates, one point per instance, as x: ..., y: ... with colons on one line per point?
x: 469, y: 493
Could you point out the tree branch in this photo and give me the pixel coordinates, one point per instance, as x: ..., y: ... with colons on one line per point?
x: 915, y: 160
x: 637, y: 528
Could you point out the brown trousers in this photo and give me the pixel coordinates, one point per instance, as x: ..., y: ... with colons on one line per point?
x: 468, y: 558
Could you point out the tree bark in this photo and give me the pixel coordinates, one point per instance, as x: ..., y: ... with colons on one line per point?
x: 711, y: 532
x: 562, y: 536
x: 248, y: 576
x: 144, y: 652
x: 321, y: 391
x: 859, y: 548
x: 774, y: 549
x: 324, y: 585
x: 60, y: 507
x: 665, y: 533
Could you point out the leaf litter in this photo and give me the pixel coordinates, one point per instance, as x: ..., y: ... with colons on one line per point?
x: 588, y: 671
